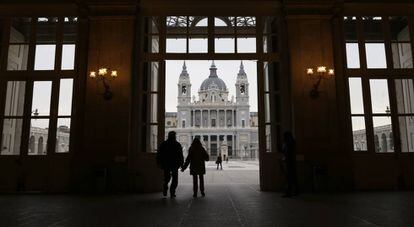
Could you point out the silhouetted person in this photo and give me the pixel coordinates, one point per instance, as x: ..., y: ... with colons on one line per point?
x: 170, y: 159
x: 289, y: 154
x: 219, y: 161
x: 197, y: 155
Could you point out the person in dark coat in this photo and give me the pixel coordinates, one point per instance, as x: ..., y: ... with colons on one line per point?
x: 219, y: 161
x: 196, y: 158
x: 289, y: 155
x: 170, y: 158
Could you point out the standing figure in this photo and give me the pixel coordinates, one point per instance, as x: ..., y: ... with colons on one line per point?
x: 196, y: 158
x: 170, y: 159
x: 219, y: 161
x: 289, y: 155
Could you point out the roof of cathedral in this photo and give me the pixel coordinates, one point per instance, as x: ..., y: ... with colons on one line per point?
x: 213, y: 79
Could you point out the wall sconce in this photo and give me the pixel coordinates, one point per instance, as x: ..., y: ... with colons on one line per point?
x: 101, y: 76
x: 321, y: 73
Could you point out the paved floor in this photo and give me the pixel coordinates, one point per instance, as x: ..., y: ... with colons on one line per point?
x: 233, y: 172
x: 231, y: 203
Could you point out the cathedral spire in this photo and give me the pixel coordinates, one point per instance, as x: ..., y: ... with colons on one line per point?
x: 241, y: 70
x: 184, y: 71
x: 213, y: 70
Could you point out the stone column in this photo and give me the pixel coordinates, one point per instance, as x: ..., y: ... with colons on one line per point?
x: 201, y: 118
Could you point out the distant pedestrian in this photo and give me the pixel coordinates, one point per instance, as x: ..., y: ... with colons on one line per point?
x: 289, y: 156
x: 224, y: 157
x: 219, y: 161
x: 196, y: 158
x: 170, y: 159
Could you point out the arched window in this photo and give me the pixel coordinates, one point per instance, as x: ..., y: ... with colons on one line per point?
x: 384, y: 146
x: 32, y: 145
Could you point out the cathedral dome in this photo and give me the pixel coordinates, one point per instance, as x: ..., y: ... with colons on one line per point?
x: 213, y: 80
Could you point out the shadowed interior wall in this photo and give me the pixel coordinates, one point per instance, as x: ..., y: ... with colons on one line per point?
x: 323, y: 162
x: 104, y: 162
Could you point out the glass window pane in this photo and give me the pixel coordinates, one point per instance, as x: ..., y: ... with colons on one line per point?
x: 39, y: 131
x: 270, y: 44
x: 151, y: 44
x: 404, y: 89
x: 267, y: 68
x: 154, y: 108
x: 399, y: 29
x: 359, y: 134
x: 153, y: 138
x: 198, y: 45
x: 246, y: 21
x: 373, y: 31
x: 154, y: 76
x: 63, y: 135
x: 355, y: 93
x: 17, y: 57
x: 402, y: 55
x: 379, y: 96
x: 20, y: 30
x: 383, y: 137
x: 65, y: 97
x: 224, y: 45
x: 375, y: 56
x: 41, y: 98
x: 352, y: 56
x: 14, y: 103
x: 11, y: 136
x: 201, y: 22
x: 68, y: 56
x: 175, y: 23
x: 267, y: 108
x: 268, y: 137
x: 45, y: 57
x: 70, y: 30
x: 46, y: 29
x: 176, y: 44
x: 246, y: 45
x: 224, y: 25
x: 407, y: 133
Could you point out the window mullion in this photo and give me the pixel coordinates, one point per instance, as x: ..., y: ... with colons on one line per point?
x: 210, y: 35
x: 32, y: 45
x: 361, y: 44
x: 2, y: 103
x: 59, y: 44
x: 4, y: 41
x: 27, y: 113
x: 54, y: 103
x: 162, y: 33
x: 369, y: 128
x: 411, y: 30
x: 161, y: 102
x: 394, y: 115
x: 387, y: 42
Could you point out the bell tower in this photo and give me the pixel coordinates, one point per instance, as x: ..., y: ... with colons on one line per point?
x: 242, y: 87
x: 184, y: 87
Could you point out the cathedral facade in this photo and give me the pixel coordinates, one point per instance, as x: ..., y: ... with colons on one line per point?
x: 224, y: 125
